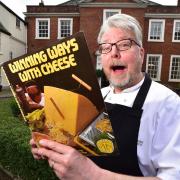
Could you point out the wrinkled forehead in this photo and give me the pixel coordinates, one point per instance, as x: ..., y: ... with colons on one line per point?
x: 113, y: 34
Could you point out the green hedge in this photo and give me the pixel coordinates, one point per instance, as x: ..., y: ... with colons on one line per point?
x: 15, y: 154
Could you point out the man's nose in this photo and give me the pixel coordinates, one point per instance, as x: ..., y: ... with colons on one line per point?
x: 115, y: 52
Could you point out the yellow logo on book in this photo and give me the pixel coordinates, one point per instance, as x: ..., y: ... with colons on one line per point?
x: 105, y: 145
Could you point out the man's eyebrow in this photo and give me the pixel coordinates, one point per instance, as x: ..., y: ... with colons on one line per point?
x: 119, y: 39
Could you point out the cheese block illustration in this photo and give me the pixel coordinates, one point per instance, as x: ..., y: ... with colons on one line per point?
x: 67, y: 111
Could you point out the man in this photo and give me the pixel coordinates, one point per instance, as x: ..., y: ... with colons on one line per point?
x: 145, y: 116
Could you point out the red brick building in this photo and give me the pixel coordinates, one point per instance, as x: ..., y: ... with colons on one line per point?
x: 161, y: 29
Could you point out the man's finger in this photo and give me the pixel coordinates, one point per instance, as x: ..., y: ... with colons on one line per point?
x: 50, y: 155
x: 60, y: 148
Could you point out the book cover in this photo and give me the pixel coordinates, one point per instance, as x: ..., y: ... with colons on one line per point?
x: 59, y: 96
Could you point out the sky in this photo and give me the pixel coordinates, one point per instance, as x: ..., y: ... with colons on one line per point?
x: 20, y: 6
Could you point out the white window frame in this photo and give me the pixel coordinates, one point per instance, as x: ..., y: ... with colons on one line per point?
x: 174, y: 27
x: 170, y: 68
x: 159, y: 65
x: 59, y: 23
x: 162, y: 30
x: 37, y: 28
x: 105, y: 11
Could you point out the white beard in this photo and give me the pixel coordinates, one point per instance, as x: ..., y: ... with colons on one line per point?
x: 117, y: 83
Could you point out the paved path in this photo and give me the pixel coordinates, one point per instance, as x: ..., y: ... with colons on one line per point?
x: 5, y: 175
x: 5, y: 93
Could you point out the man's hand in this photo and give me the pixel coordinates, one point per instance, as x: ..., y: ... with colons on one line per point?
x: 69, y: 164
x: 34, y: 149
x: 66, y: 162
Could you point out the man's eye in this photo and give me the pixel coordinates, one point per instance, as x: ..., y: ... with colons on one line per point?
x: 123, y: 45
x: 106, y: 47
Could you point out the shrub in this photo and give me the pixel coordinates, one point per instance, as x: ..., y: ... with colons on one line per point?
x: 15, y: 154
x: 15, y: 108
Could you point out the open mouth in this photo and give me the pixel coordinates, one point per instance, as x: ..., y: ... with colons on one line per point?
x: 118, y: 68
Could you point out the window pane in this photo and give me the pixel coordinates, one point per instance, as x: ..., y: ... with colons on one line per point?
x: 153, y: 66
x: 110, y: 13
x: 18, y: 23
x: 10, y: 55
x: 43, y: 28
x: 177, y: 31
x: 65, y: 28
x: 175, y: 68
x: 156, y: 30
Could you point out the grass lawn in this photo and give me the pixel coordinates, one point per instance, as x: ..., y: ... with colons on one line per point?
x: 15, y: 155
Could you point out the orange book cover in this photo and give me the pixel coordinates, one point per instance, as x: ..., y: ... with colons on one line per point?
x: 59, y: 96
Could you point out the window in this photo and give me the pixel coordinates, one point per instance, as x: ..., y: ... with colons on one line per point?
x: 43, y: 28
x: 10, y: 55
x: 109, y: 12
x: 64, y: 27
x: 18, y: 23
x: 174, y: 74
x: 153, y: 66
x: 176, y: 31
x: 156, y: 30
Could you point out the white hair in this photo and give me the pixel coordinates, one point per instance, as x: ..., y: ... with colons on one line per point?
x: 125, y: 22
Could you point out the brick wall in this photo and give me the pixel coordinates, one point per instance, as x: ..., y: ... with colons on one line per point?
x: 90, y: 20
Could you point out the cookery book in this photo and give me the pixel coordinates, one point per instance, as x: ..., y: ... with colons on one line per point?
x: 59, y: 96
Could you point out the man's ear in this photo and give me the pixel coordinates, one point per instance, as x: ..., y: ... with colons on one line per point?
x: 142, y: 53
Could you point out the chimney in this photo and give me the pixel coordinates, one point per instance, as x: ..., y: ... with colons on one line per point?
x: 178, y: 3
x: 41, y: 3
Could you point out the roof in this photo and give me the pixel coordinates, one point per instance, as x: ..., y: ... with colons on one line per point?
x: 76, y: 2
x: 4, y: 30
x: 71, y: 2
x: 12, y: 12
x: 147, y: 2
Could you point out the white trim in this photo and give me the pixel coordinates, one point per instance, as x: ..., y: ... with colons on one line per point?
x: 170, y: 67
x: 174, y: 27
x: 71, y: 26
x: 52, y: 14
x: 162, y: 30
x: 110, y: 10
x: 159, y: 65
x: 37, y: 28
x: 162, y: 15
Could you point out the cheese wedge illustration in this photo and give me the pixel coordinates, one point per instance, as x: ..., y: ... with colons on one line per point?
x: 67, y: 110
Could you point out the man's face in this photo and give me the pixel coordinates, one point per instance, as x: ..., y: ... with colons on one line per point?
x: 122, y: 68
